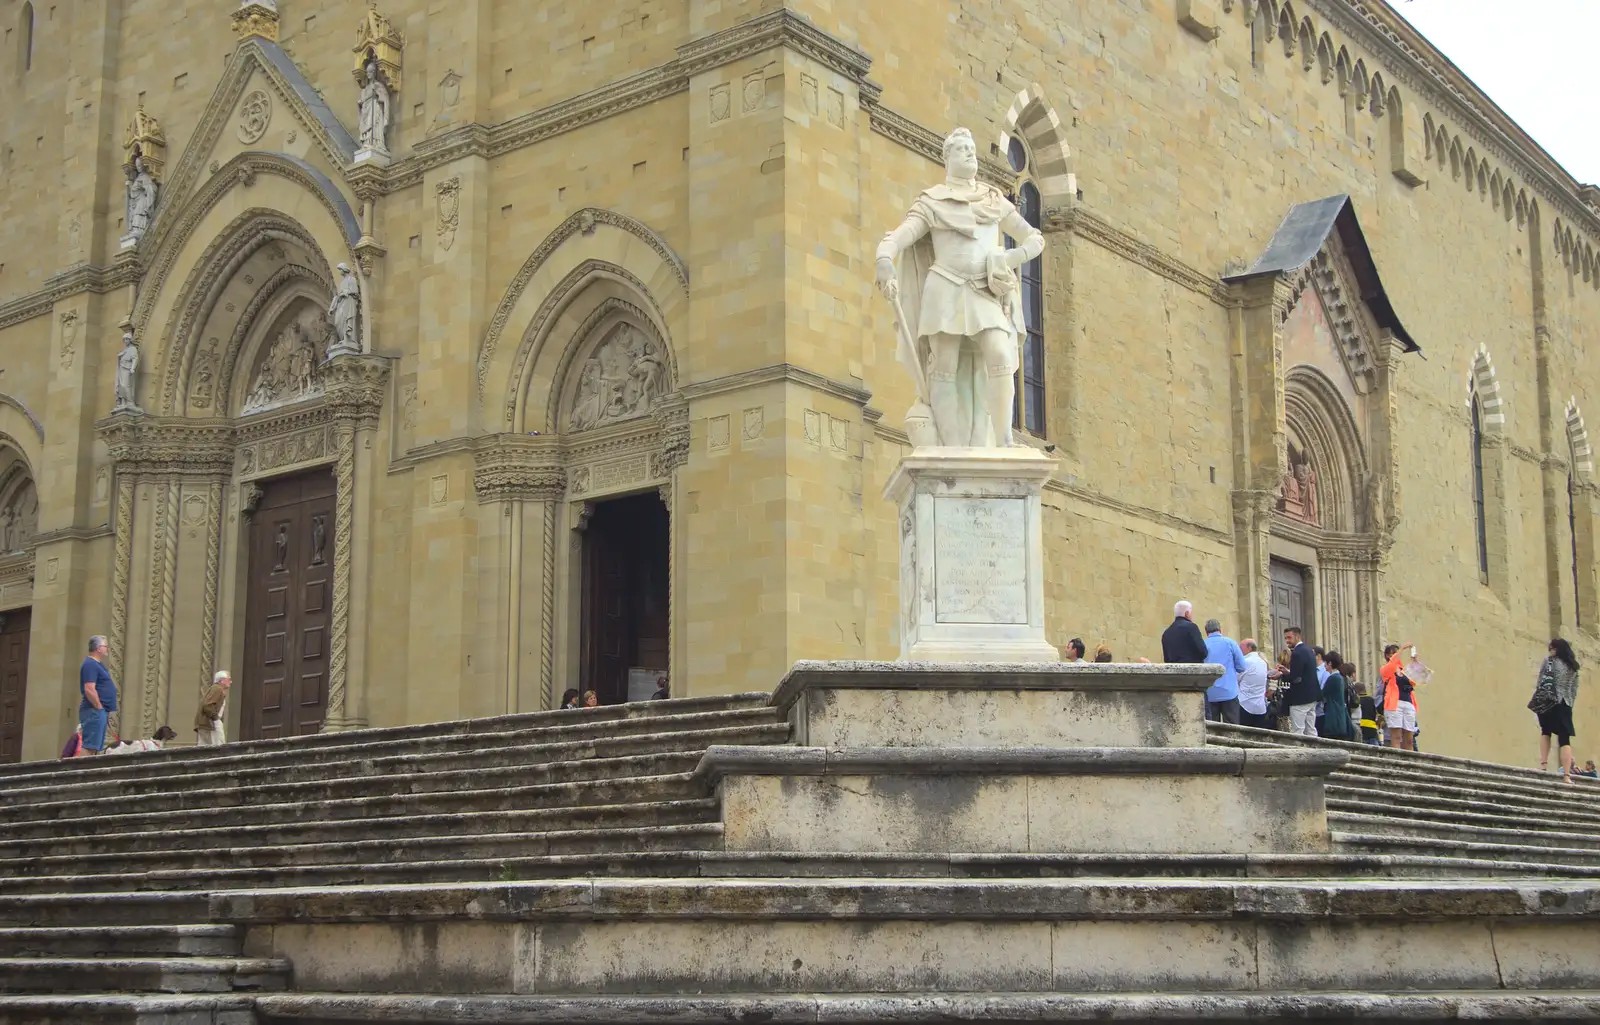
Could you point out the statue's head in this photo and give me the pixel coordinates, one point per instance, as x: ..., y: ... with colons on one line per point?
x: 138, y: 164
x: 960, y: 154
x: 372, y: 66
x: 344, y: 268
x: 127, y: 338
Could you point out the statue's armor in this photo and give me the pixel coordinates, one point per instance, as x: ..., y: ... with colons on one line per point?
x: 963, y: 255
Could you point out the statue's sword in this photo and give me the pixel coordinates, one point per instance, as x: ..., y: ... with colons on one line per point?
x: 908, y: 349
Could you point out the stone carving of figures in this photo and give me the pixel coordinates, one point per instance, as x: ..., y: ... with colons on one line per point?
x: 646, y: 376
x: 343, y: 315
x: 1308, y: 491
x: 141, y: 198
x: 5, y: 530
x: 957, y: 303
x: 374, y: 121
x: 127, y: 375
x: 301, y: 359
x: 586, y: 407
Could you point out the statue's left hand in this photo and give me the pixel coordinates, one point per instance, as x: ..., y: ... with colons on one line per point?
x: 888, y: 283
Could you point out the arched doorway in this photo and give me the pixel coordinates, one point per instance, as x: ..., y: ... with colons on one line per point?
x: 19, y: 522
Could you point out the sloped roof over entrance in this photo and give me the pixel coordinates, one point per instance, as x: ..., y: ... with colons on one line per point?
x: 1302, y: 235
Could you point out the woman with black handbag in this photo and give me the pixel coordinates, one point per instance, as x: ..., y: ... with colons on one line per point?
x: 1552, y: 701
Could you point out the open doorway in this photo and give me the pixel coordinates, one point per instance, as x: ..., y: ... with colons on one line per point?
x: 624, y: 603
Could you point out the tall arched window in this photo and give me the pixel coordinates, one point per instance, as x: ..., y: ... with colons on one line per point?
x: 25, y: 38
x: 1029, y: 411
x: 1572, y: 527
x: 1479, y: 522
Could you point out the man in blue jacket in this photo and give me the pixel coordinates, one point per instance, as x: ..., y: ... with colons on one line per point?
x: 1181, y: 642
x: 1222, y: 697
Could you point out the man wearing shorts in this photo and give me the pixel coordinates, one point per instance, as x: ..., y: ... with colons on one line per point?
x: 1399, y: 713
x: 99, y: 697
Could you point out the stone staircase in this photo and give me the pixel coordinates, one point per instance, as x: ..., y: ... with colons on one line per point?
x: 870, y: 843
x: 1475, y: 815
x: 107, y: 866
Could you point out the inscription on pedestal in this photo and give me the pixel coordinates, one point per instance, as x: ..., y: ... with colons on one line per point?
x: 980, y: 560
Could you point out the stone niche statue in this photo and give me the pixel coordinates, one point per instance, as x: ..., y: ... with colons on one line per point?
x: 127, y: 376
x: 142, y: 190
x: 344, y: 316
x: 373, y: 129
x: 957, y: 303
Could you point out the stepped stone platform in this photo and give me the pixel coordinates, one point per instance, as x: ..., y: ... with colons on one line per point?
x: 870, y: 843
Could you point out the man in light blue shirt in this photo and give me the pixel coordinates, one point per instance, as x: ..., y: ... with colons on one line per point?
x: 1222, y: 698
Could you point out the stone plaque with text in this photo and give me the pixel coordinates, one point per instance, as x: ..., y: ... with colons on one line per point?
x: 980, y: 560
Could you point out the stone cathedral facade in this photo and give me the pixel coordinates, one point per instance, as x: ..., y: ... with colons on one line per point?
x: 603, y: 390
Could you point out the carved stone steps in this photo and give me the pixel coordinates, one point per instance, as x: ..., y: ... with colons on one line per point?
x: 141, y: 974
x: 122, y: 941
x: 130, y: 1009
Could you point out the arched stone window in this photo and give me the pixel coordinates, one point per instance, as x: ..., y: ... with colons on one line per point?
x: 1030, y: 407
x: 1480, y: 523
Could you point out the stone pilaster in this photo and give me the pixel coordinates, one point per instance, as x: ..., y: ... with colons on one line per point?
x: 1259, y: 438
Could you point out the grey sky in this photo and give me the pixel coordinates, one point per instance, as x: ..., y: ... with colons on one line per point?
x: 1533, y: 59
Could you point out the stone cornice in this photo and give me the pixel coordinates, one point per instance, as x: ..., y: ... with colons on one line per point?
x: 780, y: 28
x: 50, y: 537
x: 1092, y: 226
x: 146, y: 445
x: 787, y: 372
x: 1412, y: 60
x: 82, y: 277
x: 923, y: 140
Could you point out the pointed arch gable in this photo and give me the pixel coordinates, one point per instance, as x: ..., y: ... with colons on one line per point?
x: 1318, y: 415
x: 178, y: 335
x: 591, y: 244
x: 1031, y: 116
x: 256, y: 59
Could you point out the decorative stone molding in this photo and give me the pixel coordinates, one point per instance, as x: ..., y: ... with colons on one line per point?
x: 582, y: 221
x: 355, y: 387
x: 377, y: 36
x: 447, y: 195
x: 147, y: 141
x: 930, y: 144
x: 145, y: 446
x: 256, y: 18
x: 1097, y: 229
x: 672, y: 421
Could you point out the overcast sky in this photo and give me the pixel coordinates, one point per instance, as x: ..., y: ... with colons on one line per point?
x: 1534, y: 58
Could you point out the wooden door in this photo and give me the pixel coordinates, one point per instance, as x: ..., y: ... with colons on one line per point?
x: 1288, y: 601
x: 284, y: 681
x: 13, y: 681
x: 607, y: 624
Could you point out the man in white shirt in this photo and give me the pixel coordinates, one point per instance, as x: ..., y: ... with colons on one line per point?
x: 1075, y: 650
x: 1253, y: 687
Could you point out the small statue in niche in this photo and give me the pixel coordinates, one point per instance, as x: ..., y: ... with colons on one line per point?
x: 127, y: 376
x: 280, y: 549
x: 318, y: 539
x: 374, y: 110
x: 142, y: 191
x: 1297, y: 495
x: 344, y: 315
x: 1307, y: 475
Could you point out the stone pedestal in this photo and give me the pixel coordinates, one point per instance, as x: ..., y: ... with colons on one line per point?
x: 376, y: 157
x: 971, y: 554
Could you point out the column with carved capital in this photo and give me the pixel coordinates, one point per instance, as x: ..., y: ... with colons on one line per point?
x: 355, y: 386
x: 1258, y: 411
x: 672, y: 414
x: 1383, y: 483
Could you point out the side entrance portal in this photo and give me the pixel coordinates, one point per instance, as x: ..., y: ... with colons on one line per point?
x: 625, y: 580
x: 14, y: 629
x: 284, y: 682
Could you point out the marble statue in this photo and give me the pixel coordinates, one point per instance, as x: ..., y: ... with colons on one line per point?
x: 127, y: 375
x: 957, y: 303
x: 141, y: 199
x: 646, y: 374
x: 373, y: 128
x: 343, y: 315
x: 586, y: 407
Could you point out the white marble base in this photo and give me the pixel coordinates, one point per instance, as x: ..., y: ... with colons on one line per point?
x: 376, y: 157
x: 971, y: 554
x: 128, y: 242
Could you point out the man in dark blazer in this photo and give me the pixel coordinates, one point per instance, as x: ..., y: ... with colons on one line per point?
x: 1182, y: 641
x: 1304, y: 690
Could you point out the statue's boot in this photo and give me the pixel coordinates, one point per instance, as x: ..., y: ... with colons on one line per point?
x: 1002, y: 397
x: 946, y: 403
